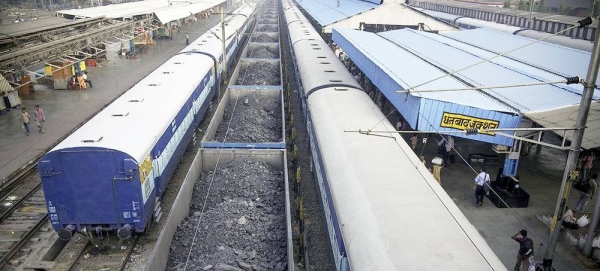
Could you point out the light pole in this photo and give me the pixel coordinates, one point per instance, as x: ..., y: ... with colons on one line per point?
x: 224, y: 49
x: 570, y: 173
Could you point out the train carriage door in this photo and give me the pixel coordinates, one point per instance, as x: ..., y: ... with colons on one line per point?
x: 84, y: 193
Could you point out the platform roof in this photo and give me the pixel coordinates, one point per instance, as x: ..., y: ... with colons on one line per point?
x: 160, y: 8
x: 391, y: 69
x: 554, y: 58
x: 409, y: 70
x: 326, y: 12
x: 520, y: 13
x: 411, y: 56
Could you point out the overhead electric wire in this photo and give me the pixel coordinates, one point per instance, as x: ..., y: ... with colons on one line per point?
x: 212, y: 178
x: 488, y: 59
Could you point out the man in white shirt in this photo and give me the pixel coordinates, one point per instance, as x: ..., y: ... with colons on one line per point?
x: 85, y: 78
x: 482, y: 180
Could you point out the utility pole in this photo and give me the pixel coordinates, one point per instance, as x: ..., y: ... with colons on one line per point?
x: 531, y: 14
x: 570, y: 173
x: 224, y: 49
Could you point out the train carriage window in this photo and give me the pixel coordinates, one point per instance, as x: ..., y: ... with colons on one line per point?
x: 154, y: 84
x: 168, y: 72
x: 178, y: 63
x: 329, y: 70
x: 321, y: 57
x: 335, y: 80
x: 341, y: 89
x: 136, y: 100
x: 316, y: 48
x: 325, y: 63
x: 120, y: 114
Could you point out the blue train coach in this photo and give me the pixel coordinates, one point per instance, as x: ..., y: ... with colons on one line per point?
x: 111, y: 173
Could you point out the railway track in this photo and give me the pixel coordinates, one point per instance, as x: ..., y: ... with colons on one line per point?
x: 112, y: 255
x: 22, y: 214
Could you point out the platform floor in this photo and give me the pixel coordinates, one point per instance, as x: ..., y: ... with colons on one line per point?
x: 541, y: 173
x: 65, y: 110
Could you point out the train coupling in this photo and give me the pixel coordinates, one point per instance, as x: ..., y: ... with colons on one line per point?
x: 125, y: 232
x: 66, y: 233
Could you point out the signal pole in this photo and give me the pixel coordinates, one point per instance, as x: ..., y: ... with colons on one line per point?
x: 570, y: 173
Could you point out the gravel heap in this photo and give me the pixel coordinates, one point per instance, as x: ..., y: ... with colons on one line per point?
x: 243, y: 226
x: 268, y: 28
x: 268, y: 22
x: 264, y: 38
x: 257, y: 118
x: 263, y: 51
x: 259, y: 74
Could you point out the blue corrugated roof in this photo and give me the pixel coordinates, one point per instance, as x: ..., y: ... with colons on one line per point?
x: 554, y: 58
x: 437, y: 50
x: 392, y: 68
x: 409, y: 70
x: 326, y: 12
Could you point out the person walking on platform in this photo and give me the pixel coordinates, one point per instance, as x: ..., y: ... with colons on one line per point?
x: 482, y: 179
x: 588, y: 163
x: 25, y: 119
x: 413, y: 141
x: 187, y: 39
x: 40, y: 118
x: 590, y: 191
x: 86, y: 80
x: 445, y: 146
x: 437, y: 171
x: 525, y: 250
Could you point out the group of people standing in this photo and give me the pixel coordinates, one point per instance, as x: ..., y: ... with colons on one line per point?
x: 39, y: 119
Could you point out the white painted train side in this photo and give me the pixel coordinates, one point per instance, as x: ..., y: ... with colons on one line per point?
x: 111, y: 173
x: 384, y: 209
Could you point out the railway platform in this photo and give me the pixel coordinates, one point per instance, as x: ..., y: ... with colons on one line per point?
x: 540, y: 174
x: 66, y: 110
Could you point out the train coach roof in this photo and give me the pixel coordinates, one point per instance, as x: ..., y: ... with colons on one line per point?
x: 134, y: 122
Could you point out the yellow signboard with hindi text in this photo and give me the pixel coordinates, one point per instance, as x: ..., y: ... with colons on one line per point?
x: 463, y: 122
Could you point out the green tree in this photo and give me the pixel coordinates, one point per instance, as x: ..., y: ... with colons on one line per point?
x: 564, y: 9
x: 522, y: 5
x: 541, y: 7
x: 595, y: 9
x: 506, y: 4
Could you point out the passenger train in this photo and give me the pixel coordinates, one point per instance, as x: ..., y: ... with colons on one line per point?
x: 110, y: 174
x: 383, y: 208
x: 470, y: 23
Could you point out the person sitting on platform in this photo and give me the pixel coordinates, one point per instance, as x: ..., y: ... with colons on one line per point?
x: 569, y: 221
x: 81, y: 81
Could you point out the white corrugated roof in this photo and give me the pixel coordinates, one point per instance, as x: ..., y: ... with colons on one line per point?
x: 414, y: 57
x: 161, y: 8
x: 409, y: 70
x: 4, y: 85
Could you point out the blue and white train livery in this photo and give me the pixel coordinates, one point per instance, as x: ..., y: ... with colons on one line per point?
x: 383, y: 208
x: 111, y: 173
